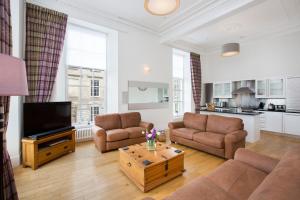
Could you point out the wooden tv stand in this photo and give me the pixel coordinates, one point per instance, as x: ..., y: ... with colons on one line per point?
x: 37, y: 152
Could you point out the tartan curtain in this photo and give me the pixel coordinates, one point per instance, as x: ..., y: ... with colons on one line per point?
x: 9, y: 187
x: 196, y: 79
x: 45, y: 33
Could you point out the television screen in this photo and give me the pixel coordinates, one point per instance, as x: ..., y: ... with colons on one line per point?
x: 46, y: 117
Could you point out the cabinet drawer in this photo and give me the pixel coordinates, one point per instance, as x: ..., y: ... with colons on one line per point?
x: 50, y: 153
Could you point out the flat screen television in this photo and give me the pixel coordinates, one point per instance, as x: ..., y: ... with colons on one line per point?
x: 41, y: 119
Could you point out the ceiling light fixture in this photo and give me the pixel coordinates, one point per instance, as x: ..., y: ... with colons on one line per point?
x: 161, y: 7
x: 230, y: 49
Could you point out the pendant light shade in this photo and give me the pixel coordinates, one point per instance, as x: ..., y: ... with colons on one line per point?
x: 161, y: 7
x: 230, y: 49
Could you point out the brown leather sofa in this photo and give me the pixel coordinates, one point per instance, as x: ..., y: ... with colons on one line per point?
x: 249, y: 176
x: 113, y: 131
x: 217, y: 135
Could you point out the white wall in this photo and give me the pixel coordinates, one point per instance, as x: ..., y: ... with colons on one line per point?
x: 137, y: 49
x: 267, y: 57
x: 13, y: 134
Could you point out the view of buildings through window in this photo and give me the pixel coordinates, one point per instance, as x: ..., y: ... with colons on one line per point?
x: 86, y: 64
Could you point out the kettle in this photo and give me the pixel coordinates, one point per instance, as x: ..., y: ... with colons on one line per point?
x: 271, y: 106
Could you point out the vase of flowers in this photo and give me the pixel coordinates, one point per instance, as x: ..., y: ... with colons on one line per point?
x: 151, y: 137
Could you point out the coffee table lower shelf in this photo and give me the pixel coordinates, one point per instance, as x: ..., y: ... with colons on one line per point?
x: 166, y: 164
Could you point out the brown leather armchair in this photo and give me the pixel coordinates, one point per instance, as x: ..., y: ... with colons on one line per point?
x: 217, y: 135
x: 113, y: 131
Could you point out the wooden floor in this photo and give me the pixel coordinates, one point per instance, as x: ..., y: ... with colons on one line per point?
x: 88, y: 174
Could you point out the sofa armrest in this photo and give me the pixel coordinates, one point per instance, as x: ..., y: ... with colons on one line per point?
x: 261, y: 162
x: 174, y: 125
x: 99, y: 138
x: 236, y: 136
x: 233, y: 141
x: 148, y: 126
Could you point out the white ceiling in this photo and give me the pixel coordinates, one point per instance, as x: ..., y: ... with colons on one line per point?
x: 203, y: 24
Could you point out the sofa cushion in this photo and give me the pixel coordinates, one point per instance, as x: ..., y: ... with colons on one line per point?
x: 220, y: 124
x: 200, y: 188
x: 283, y: 183
x: 186, y: 133
x: 116, y: 135
x: 211, y: 139
x: 108, y: 122
x: 135, y: 132
x: 195, y: 121
x: 131, y: 119
x: 237, y: 178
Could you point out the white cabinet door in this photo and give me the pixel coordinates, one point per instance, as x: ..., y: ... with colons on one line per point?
x: 261, y: 89
x: 223, y: 90
x: 276, y: 88
x: 273, y: 122
x: 292, y: 123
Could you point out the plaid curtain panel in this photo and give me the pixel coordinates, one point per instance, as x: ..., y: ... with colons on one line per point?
x: 45, y: 33
x: 7, y: 178
x: 196, y: 79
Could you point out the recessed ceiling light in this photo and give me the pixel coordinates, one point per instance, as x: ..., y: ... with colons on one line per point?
x: 161, y: 7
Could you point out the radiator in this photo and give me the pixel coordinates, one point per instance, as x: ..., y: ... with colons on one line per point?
x: 84, y: 134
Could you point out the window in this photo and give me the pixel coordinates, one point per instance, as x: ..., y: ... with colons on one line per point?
x: 94, y: 88
x: 86, y: 71
x: 181, y: 83
x: 94, y: 112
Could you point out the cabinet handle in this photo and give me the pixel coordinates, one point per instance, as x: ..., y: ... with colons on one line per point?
x: 65, y: 147
x: 48, y: 154
x: 129, y: 164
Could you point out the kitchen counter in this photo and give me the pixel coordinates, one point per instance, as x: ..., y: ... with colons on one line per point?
x: 232, y: 112
x: 251, y: 121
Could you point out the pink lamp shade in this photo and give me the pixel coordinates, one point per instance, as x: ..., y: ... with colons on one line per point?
x: 13, y: 79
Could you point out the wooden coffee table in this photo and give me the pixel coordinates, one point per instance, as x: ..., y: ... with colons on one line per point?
x: 149, y: 169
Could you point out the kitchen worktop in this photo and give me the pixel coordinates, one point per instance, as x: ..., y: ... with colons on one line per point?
x: 232, y: 112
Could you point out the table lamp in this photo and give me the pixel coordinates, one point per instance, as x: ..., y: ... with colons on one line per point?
x: 13, y: 82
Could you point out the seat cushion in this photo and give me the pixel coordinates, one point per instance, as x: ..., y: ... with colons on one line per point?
x: 211, y: 139
x: 135, y: 132
x: 116, y: 135
x: 224, y: 125
x: 108, y: 121
x: 186, y: 133
x: 237, y: 178
x: 195, y: 121
x: 283, y: 183
x: 131, y: 119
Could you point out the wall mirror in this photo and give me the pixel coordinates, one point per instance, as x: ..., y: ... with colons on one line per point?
x: 147, y: 95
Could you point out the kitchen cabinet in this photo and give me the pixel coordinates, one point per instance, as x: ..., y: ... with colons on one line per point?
x: 261, y: 89
x: 270, y: 88
x: 291, y: 123
x: 222, y: 90
x: 272, y: 121
x: 276, y: 88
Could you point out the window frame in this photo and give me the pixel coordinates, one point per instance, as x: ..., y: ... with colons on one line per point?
x: 66, y: 66
x: 92, y: 112
x: 186, y: 84
x: 92, y: 87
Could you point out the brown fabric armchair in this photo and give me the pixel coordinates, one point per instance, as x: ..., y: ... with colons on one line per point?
x: 113, y: 131
x: 217, y: 135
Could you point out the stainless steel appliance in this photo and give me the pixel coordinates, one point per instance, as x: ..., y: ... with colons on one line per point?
x: 280, y: 108
x: 293, y: 94
x: 271, y: 106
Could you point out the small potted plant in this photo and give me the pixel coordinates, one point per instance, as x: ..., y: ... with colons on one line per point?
x: 151, y: 137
